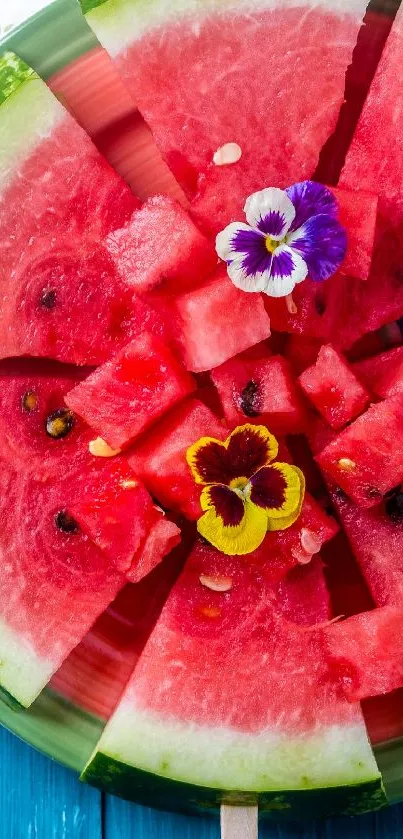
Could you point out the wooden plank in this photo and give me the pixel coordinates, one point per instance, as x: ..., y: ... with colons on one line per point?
x: 123, y: 820
x: 40, y: 799
x: 239, y: 822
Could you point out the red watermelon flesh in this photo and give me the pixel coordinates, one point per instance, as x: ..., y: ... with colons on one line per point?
x: 159, y: 459
x: 219, y: 321
x: 54, y: 582
x: 119, y: 516
x: 382, y: 374
x: 302, y: 351
x: 123, y: 397
x: 358, y: 215
x: 302, y: 596
x: 333, y: 388
x: 197, y: 83
x: 261, y: 391
x: 164, y: 535
x: 348, y: 588
x: 161, y: 244
x: 208, y: 637
x: 365, y: 459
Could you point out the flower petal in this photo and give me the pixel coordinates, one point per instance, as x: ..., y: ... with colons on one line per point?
x: 250, y: 447
x: 207, y: 459
x: 322, y: 242
x: 235, y: 240
x: 311, y: 199
x: 251, y: 282
x: 279, y: 489
x: 223, y: 506
x: 287, y: 269
x: 271, y: 211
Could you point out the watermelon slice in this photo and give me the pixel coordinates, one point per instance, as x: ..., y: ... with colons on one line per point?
x: 305, y: 749
x: 333, y: 388
x: 123, y: 397
x: 382, y: 374
x: 191, y: 71
x: 261, y: 390
x: 365, y: 459
x: 232, y: 320
x: 161, y: 244
x: 359, y: 219
x: 159, y: 460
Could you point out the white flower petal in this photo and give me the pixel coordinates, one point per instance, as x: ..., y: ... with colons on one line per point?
x: 224, y: 240
x: 247, y: 282
x: 271, y: 211
x: 288, y: 269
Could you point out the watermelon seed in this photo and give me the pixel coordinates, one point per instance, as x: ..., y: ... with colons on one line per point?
x: 48, y: 299
x: 346, y: 465
x: 394, y: 506
x: 65, y: 522
x: 129, y: 483
x: 29, y: 401
x: 216, y: 583
x: 249, y: 401
x: 310, y: 542
x: 227, y: 154
x: 59, y: 423
x: 100, y: 448
x: 320, y: 305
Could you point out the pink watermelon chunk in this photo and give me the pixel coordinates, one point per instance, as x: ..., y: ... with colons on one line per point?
x: 334, y: 389
x: 382, y: 374
x: 159, y: 460
x: 261, y: 390
x: 302, y: 595
x: 219, y: 321
x: 199, y: 85
x: 162, y: 538
x: 365, y: 459
x: 282, y: 734
x: 358, y: 215
x: 161, y: 244
x: 118, y: 515
x: 123, y: 397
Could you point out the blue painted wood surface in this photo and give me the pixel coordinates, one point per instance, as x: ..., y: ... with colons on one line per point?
x: 41, y: 800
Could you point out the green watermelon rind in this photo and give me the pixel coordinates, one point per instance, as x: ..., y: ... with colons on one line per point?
x: 133, y: 784
x: 23, y: 673
x: 14, y: 72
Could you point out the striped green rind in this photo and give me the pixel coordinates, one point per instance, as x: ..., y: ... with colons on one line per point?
x: 165, y: 794
x: 9, y: 700
x: 88, y: 5
x: 14, y: 72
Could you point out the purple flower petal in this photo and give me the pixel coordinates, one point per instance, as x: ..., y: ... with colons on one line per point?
x: 270, y: 211
x: 287, y: 269
x: 311, y: 199
x: 322, y: 242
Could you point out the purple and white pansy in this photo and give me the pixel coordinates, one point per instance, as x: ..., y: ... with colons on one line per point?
x: 290, y: 234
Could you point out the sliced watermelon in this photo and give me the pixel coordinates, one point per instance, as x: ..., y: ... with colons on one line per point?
x: 219, y: 321
x: 358, y: 215
x: 199, y: 85
x: 261, y: 390
x: 304, y: 747
x: 382, y: 374
x: 302, y: 351
x: 365, y: 459
x: 333, y: 388
x: 53, y: 263
x: 160, y: 459
x: 160, y: 244
x: 123, y: 397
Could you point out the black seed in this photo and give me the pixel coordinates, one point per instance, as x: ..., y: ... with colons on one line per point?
x: 249, y: 401
x: 59, y: 423
x: 320, y: 305
x: 65, y: 522
x: 394, y: 506
x: 29, y: 401
x: 47, y: 299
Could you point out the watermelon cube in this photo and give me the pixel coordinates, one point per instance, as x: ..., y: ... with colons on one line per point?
x: 124, y: 396
x: 117, y: 513
x: 160, y: 459
x: 382, y: 374
x: 302, y: 351
x: 163, y: 536
x: 366, y: 459
x: 333, y: 388
x: 261, y: 390
x: 159, y: 244
x: 357, y: 212
x: 219, y: 321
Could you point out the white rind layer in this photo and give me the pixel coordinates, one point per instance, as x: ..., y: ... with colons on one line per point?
x: 221, y: 758
x: 23, y: 674
x: 118, y: 23
x: 27, y: 117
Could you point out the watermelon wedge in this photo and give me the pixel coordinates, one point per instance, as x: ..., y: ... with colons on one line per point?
x: 383, y: 373
x: 162, y: 51
x: 333, y: 388
x: 306, y: 750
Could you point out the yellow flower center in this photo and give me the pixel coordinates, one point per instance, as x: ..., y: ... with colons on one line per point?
x: 271, y: 244
x: 241, y: 486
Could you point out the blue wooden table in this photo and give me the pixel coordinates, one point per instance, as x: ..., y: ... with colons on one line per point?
x: 41, y: 800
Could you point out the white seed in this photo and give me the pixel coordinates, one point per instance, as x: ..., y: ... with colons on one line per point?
x: 310, y: 542
x: 346, y: 465
x: 100, y: 448
x: 128, y: 483
x: 216, y: 583
x: 227, y: 154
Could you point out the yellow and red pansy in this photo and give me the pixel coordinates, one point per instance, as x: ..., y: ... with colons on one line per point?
x: 245, y: 491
